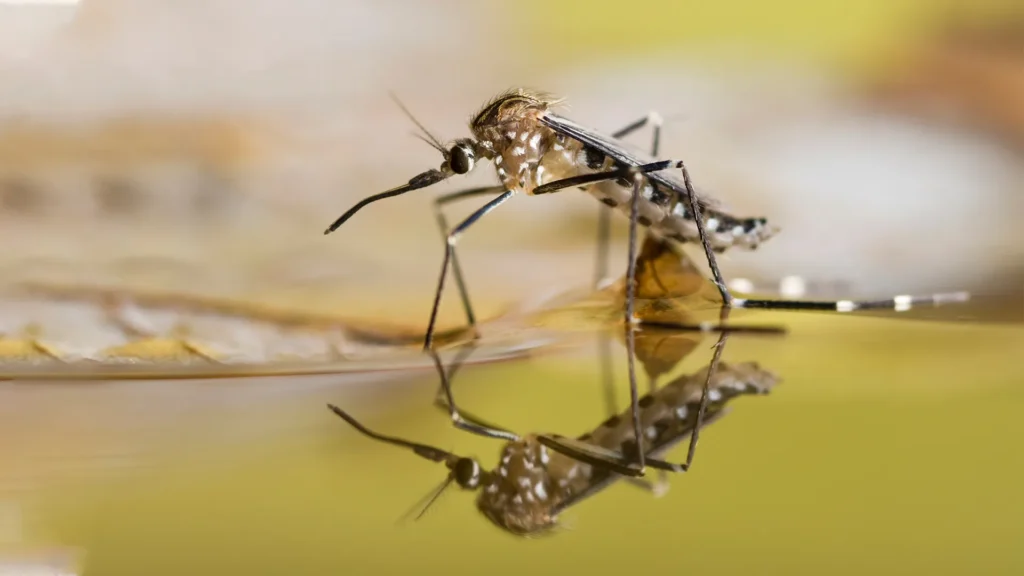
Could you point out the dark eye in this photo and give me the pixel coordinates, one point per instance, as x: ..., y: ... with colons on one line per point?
x: 467, y: 473
x: 461, y: 160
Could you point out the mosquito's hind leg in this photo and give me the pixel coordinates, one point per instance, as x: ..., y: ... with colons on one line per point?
x: 709, y: 253
x: 896, y: 303
x: 450, y: 240
x: 716, y: 358
x: 442, y: 223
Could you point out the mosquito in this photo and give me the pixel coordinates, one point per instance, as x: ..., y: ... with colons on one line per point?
x: 536, y: 151
x: 539, y: 476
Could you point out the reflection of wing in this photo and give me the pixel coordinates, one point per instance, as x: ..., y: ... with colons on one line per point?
x: 660, y: 350
x: 621, y: 152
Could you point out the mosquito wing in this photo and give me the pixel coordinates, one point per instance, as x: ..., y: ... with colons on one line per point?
x: 623, y: 153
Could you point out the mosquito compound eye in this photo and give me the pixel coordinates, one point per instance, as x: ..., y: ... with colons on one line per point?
x: 467, y: 473
x: 461, y: 159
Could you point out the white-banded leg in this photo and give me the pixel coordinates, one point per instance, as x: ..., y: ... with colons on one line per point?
x: 900, y: 303
x: 450, y: 241
x: 442, y: 223
x: 897, y: 303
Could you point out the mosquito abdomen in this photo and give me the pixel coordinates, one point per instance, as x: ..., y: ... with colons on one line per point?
x: 670, y: 413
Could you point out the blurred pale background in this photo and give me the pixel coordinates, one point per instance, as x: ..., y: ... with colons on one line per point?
x: 199, y: 148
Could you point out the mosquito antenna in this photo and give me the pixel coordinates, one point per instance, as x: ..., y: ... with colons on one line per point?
x: 430, y: 138
x: 431, y: 142
x: 427, y: 501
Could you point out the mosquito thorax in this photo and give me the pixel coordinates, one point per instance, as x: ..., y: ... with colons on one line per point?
x: 467, y: 473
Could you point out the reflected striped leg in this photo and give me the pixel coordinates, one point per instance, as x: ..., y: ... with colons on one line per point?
x: 445, y: 399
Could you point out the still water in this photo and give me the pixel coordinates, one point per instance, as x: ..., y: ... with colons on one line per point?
x: 889, y: 446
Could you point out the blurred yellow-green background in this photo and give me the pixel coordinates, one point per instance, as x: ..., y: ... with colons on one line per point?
x: 240, y: 129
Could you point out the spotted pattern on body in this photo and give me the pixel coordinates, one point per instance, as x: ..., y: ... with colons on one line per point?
x: 528, y: 154
x: 532, y: 481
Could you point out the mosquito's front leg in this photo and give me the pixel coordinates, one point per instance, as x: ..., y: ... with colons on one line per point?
x: 450, y: 240
x: 442, y: 223
x: 445, y: 400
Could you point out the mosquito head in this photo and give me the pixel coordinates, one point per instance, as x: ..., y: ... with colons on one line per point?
x: 467, y: 473
x: 461, y: 157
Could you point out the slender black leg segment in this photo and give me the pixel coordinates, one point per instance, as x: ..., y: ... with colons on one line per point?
x: 474, y: 427
x: 593, y: 178
x: 604, y: 226
x: 442, y: 223
x: 445, y: 398
x: 634, y: 214
x: 450, y: 242
x: 604, y: 212
x: 698, y: 219
x: 715, y: 359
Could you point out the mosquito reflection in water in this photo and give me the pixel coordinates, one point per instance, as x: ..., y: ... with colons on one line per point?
x: 540, y: 475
